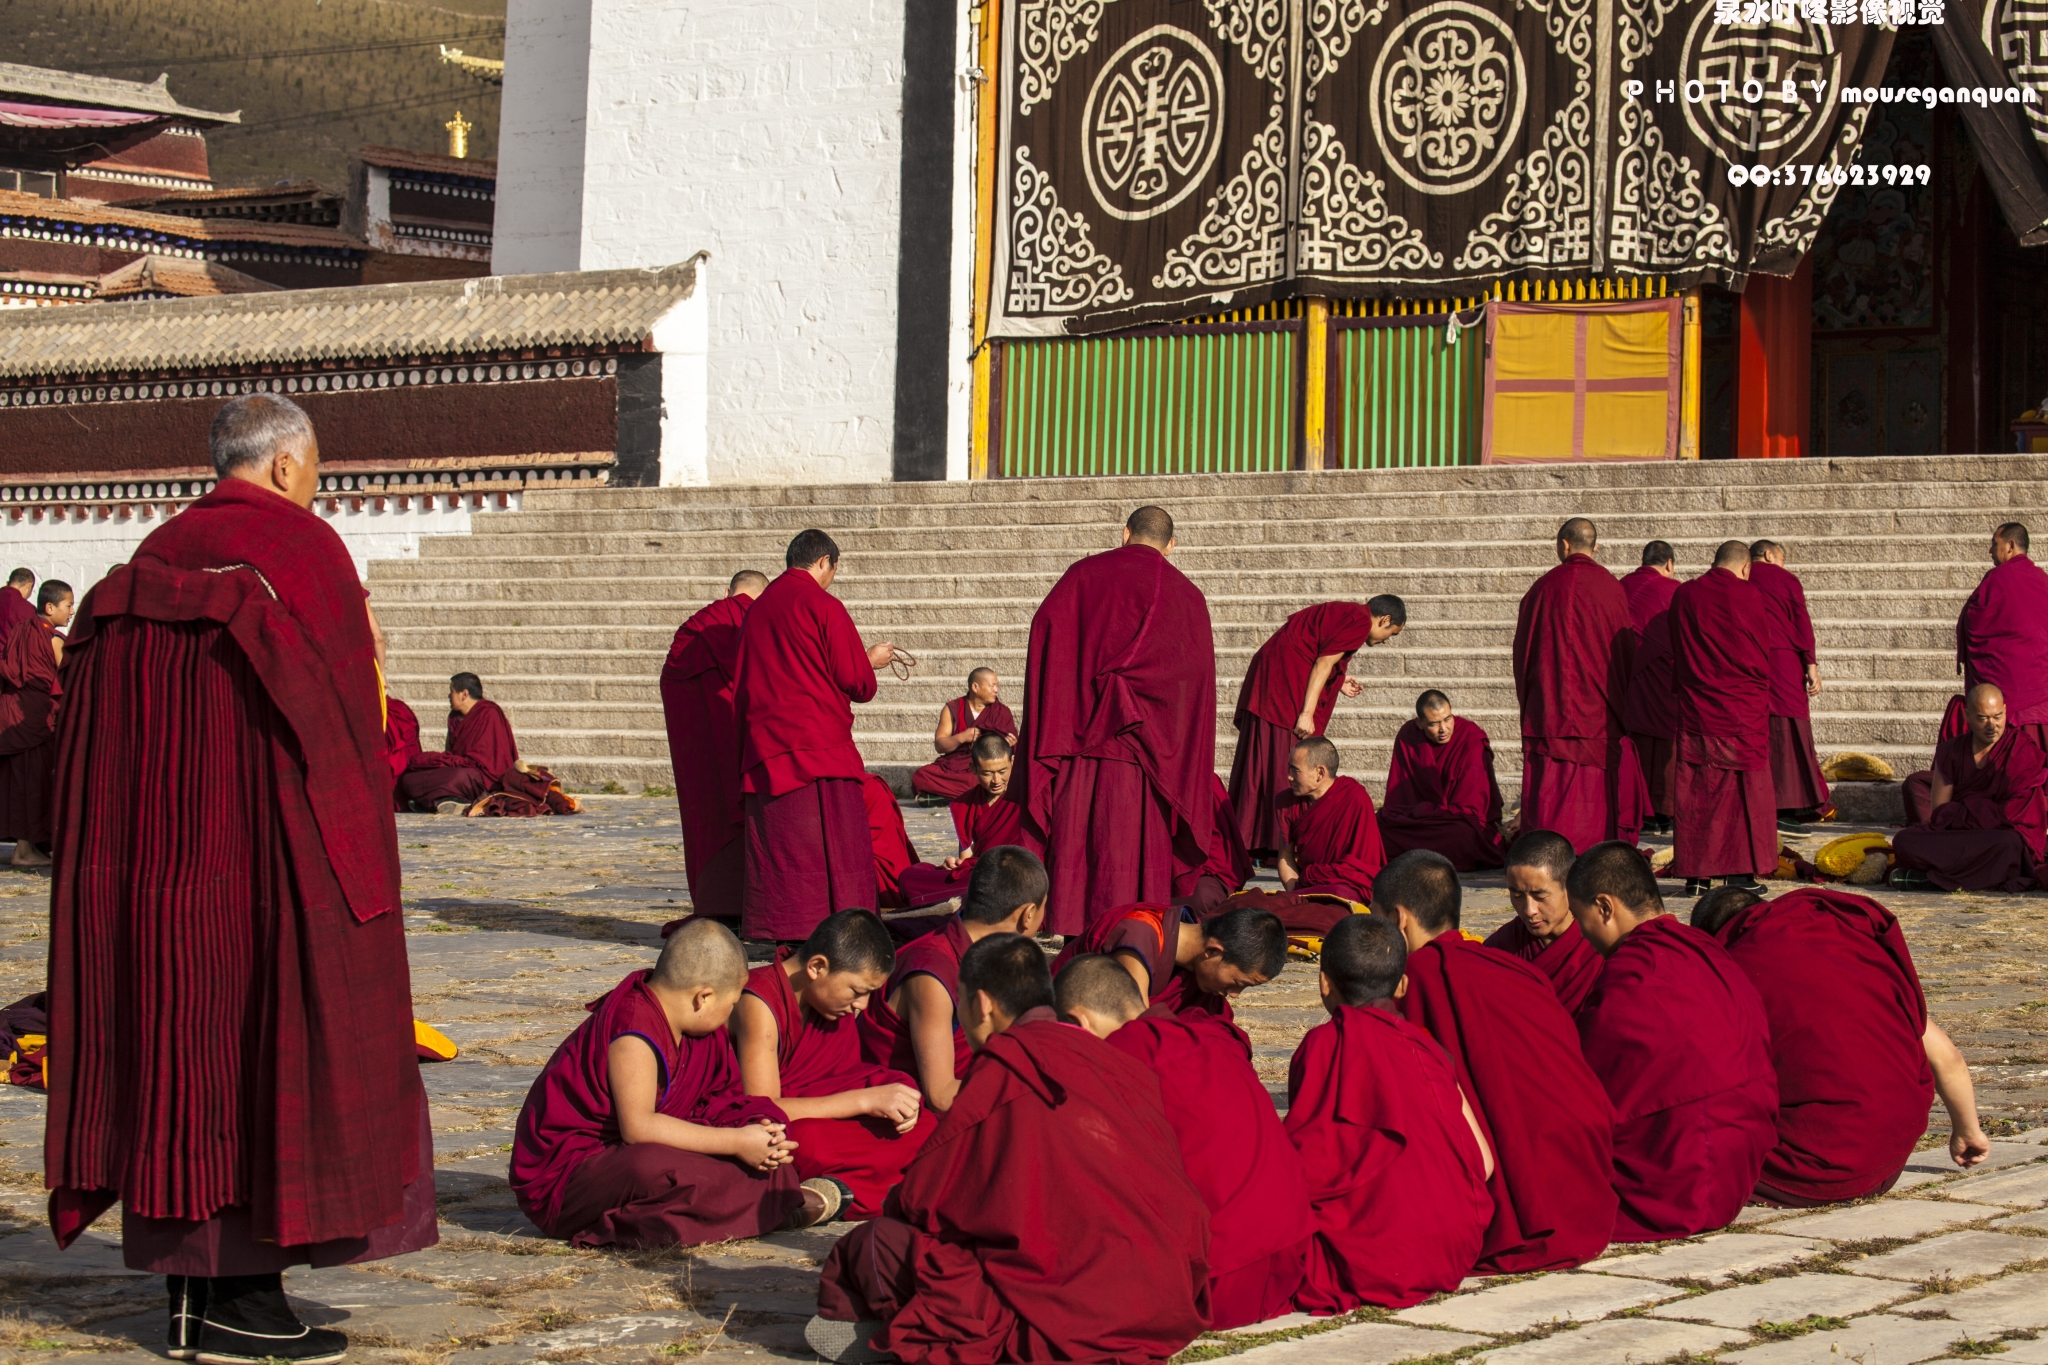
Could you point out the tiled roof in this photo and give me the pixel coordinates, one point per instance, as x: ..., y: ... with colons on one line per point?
x: 184, y: 279
x: 401, y: 159
x: 71, y: 87
x: 297, y: 189
x: 90, y: 213
x: 439, y: 317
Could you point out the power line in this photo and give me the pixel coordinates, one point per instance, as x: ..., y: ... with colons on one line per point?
x: 320, y: 116
x: 159, y: 62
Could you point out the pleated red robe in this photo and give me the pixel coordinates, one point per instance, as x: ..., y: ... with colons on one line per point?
x: 1846, y: 1014
x: 1989, y: 835
x: 2002, y: 638
x: 1568, y: 962
x: 1679, y: 1038
x: 1727, y: 809
x: 1795, y: 767
x: 884, y: 1034
x: 823, y: 1057
x: 1397, y: 1183
x: 1152, y: 932
x: 704, y: 752
x: 31, y: 693
x: 1229, y: 865
x: 1515, y: 1052
x: 1269, y: 703
x: 952, y: 775
x: 1237, y: 1156
x: 983, y: 824
x: 1650, y: 710
x: 227, y: 870
x: 13, y: 613
x: 894, y: 855
x: 1574, y: 653
x: 1443, y: 797
x: 1335, y: 838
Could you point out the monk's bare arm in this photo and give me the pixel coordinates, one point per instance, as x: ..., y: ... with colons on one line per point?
x: 755, y: 1036
x: 1942, y: 792
x: 1967, y: 1144
x: 1290, y: 875
x: 634, y: 1074
x: 1472, y: 1122
x: 377, y: 646
x: 928, y: 1013
x: 944, y: 740
x: 1318, y: 677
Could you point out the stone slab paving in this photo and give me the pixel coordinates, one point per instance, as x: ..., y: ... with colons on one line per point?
x: 1572, y: 1297
x: 2025, y: 1188
x: 2016, y: 1303
x: 1618, y: 1341
x: 2015, y: 1353
x: 1713, y: 1259
x: 1900, y: 1218
x: 1873, y: 1340
x: 1956, y: 1256
x: 1365, y: 1343
x: 1786, y: 1300
x: 2037, y: 1222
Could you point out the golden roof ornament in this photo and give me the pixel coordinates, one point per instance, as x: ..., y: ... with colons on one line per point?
x: 458, y: 136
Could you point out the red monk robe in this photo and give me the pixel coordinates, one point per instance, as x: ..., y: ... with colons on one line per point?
x: 1152, y: 934
x: 1335, y: 839
x: 1650, y: 710
x: 1516, y: 1055
x: 1568, y: 962
x: 867, y: 1155
x: 401, y: 736
x: 952, y: 775
x: 30, y: 698
x: 1443, y: 797
x: 1269, y: 704
x: 1727, y: 811
x: 1574, y: 653
x: 801, y: 668
x: 986, y: 823
x: 479, y: 751
x: 1679, y: 1038
x: 894, y: 855
x: 1846, y: 1015
x: 704, y: 750
x: 1238, y: 1158
x: 1394, y: 1174
x: 1048, y: 1219
x: 885, y: 1039
x: 1795, y: 767
x: 1118, y: 751
x: 1229, y: 866
x: 2002, y: 639
x: 578, y: 1179
x: 251, y: 1098
x: 1989, y: 835
x: 14, y: 609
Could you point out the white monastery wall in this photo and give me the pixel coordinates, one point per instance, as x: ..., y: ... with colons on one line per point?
x: 540, y: 138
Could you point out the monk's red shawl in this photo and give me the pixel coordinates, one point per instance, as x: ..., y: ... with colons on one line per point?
x: 1574, y: 653
x: 1650, y: 708
x: 1568, y: 962
x: 1277, y: 677
x: 884, y: 1034
x: 1426, y: 779
x: 1789, y: 636
x: 481, y: 740
x: 891, y: 838
x: 401, y: 735
x: 703, y: 738
x: 1721, y: 667
x: 2002, y: 638
x: 13, y: 613
x: 801, y: 667
x: 987, y: 823
x: 1152, y: 932
x: 30, y: 686
x: 1229, y: 861
x: 2005, y: 791
x: 1335, y: 838
x: 1847, y: 1015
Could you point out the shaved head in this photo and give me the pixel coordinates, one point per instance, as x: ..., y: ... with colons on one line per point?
x: 1100, y: 985
x: 1720, y: 905
x: 1658, y: 552
x: 1422, y: 882
x: 1579, y: 536
x: 22, y: 578
x: 2013, y: 534
x: 1364, y: 957
x: 1319, y: 752
x: 1150, y: 526
x: 1760, y: 551
x: 1983, y: 697
x: 1733, y: 554
x: 1542, y: 848
x: 701, y: 955
x: 1429, y: 701
x: 1615, y: 869
x: 751, y: 582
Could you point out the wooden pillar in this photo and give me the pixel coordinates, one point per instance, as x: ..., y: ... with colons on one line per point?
x: 1774, y: 363
x: 1970, y: 427
x: 1689, y: 370
x: 1315, y: 388
x: 987, y: 17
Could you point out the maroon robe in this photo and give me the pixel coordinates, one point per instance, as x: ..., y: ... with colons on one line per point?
x: 885, y: 1035
x: 1516, y: 1055
x: 1269, y: 703
x: 823, y: 1057
x: 987, y: 823
x: 401, y: 736
x: 1650, y: 710
x: 577, y: 1178
x: 1727, y: 811
x: 1679, y: 1038
x: 2002, y: 638
x: 1989, y: 835
x: 15, y: 612
x: 1574, y: 653
x: 952, y: 775
x: 1151, y: 933
x: 1048, y: 1219
x: 801, y: 667
x: 1571, y: 964
x: 30, y: 694
x: 1229, y: 864
x: 1795, y: 767
x: 238, y: 1064
x: 1443, y: 797
x: 1238, y: 1158
x: 890, y: 837
x: 1335, y: 838
x: 1118, y: 750
x: 479, y: 752
x: 1847, y: 1015
x: 704, y: 750
x: 1395, y: 1177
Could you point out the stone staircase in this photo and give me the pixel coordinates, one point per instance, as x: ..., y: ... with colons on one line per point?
x: 566, y: 607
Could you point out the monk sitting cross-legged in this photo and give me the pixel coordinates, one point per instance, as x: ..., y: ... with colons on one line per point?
x: 1989, y: 808
x: 30, y: 694
x: 1856, y: 1055
x: 1049, y: 1219
x: 991, y: 818
x: 799, y: 1045
x: 1184, y: 964
x: 1329, y: 833
x: 1441, y: 791
x: 1543, y: 931
x: 964, y: 720
x: 1395, y: 1161
x: 1678, y: 1036
x: 480, y: 750
x: 913, y: 1024
x: 636, y: 1133
x: 1516, y: 1055
x: 1231, y: 1141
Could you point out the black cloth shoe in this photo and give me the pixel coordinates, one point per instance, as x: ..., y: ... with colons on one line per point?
x: 248, y: 1321
x: 1910, y: 879
x: 1657, y: 824
x: 1697, y: 886
x: 1790, y: 823
x: 188, y: 1306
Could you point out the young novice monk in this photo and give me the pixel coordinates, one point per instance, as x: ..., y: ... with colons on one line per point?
x: 1516, y: 1056
x: 913, y: 1024
x: 1543, y: 931
x: 1183, y: 965
x: 1231, y: 1141
x: 990, y: 818
x: 636, y: 1133
x: 799, y: 1045
x: 1051, y: 1220
x: 1329, y: 834
x: 1396, y: 1166
x: 1678, y: 1036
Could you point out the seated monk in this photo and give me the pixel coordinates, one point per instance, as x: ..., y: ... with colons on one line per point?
x: 1054, y: 1222
x: 1231, y: 1143
x: 636, y: 1133
x: 1184, y: 964
x: 31, y: 655
x: 480, y: 750
x: 1543, y: 931
x: 1857, y: 1058
x: 991, y: 819
x: 1679, y: 1037
x: 799, y: 1045
x: 1441, y: 791
x: 1516, y: 1055
x: 913, y: 1024
x: 1329, y: 837
x: 401, y: 737
x: 1395, y: 1161
x: 890, y: 837
x: 964, y: 720
x: 1229, y: 866
x: 1989, y: 821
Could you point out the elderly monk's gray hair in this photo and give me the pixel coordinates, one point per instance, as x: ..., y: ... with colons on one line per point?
x: 1731, y: 553
x: 701, y: 954
x: 1318, y: 749
x: 249, y: 430
x: 1579, y: 536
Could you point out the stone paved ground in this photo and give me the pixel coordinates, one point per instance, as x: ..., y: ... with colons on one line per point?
x: 515, y: 924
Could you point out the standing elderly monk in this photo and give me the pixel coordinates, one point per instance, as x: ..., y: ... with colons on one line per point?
x: 1441, y: 791
x: 1651, y: 709
x: 229, y: 995
x: 30, y: 691
x: 2002, y: 635
x: 1727, y: 805
x: 1986, y: 831
x: 1574, y: 649
x: 1802, y: 789
x: 704, y: 745
x: 801, y: 668
x: 1118, y: 758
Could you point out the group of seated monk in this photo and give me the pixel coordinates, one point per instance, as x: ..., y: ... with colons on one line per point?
x: 478, y: 770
